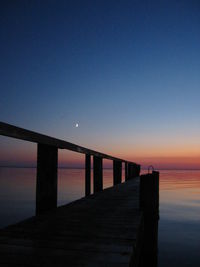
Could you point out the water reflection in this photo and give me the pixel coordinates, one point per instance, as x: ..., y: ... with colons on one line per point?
x: 17, y: 194
x: 179, y: 230
x: 18, y: 190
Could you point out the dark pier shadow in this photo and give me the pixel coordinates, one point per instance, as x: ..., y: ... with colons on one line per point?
x: 149, y: 249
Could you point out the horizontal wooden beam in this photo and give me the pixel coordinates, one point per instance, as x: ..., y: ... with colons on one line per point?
x: 23, y: 134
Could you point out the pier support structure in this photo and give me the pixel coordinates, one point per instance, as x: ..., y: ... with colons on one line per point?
x: 46, y: 183
x: 149, y: 204
x: 133, y: 170
x: 117, y: 172
x: 98, y: 173
x: 87, y: 175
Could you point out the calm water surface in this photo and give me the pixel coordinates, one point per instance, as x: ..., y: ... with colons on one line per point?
x: 179, y: 225
x: 18, y: 190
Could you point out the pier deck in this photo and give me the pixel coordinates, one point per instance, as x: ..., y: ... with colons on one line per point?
x: 99, y: 230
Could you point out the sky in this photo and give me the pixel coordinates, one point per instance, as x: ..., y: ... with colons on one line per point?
x: 126, y: 71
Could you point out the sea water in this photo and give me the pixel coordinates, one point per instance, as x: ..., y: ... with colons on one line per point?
x: 179, y: 224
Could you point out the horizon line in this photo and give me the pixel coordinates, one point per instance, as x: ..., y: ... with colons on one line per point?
x: 108, y: 168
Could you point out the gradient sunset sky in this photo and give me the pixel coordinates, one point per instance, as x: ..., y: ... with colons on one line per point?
x: 127, y: 71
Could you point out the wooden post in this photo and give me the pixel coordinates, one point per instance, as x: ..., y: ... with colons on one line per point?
x: 149, y: 204
x: 133, y: 170
x: 130, y: 170
x: 149, y: 193
x: 46, y: 184
x: 137, y: 170
x: 87, y: 175
x: 126, y: 171
x: 117, y: 172
x: 97, y: 174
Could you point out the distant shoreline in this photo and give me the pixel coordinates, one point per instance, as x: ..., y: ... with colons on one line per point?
x: 105, y: 168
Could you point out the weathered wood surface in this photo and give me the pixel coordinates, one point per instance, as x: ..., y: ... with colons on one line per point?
x: 99, y: 230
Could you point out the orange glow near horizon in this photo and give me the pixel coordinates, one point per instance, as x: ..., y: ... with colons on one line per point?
x: 72, y: 159
x: 174, y: 156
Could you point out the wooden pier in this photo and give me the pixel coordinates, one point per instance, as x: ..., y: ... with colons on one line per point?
x: 107, y: 228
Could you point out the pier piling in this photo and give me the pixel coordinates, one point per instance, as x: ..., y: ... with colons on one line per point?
x: 46, y: 183
x: 98, y: 173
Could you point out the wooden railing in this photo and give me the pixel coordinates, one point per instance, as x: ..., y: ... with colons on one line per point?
x: 47, y: 165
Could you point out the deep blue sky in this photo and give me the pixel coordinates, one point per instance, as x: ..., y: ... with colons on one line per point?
x: 127, y: 71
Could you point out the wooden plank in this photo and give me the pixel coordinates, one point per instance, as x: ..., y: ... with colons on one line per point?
x: 98, y: 230
x: 87, y: 175
x: 46, y: 184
